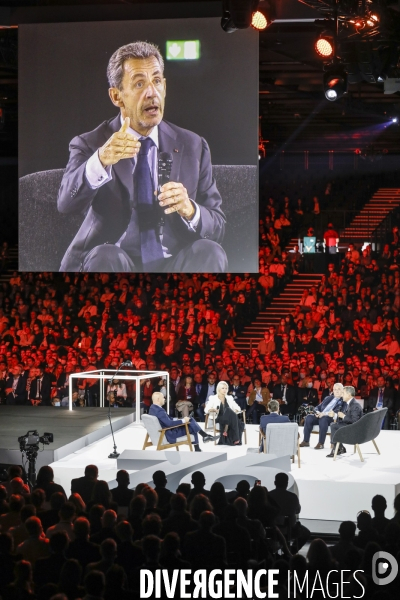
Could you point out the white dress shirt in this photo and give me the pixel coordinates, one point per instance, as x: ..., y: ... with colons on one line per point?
x: 97, y: 175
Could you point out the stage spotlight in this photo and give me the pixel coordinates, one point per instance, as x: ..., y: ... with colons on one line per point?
x: 259, y: 21
x: 324, y: 46
x: 335, y: 83
x: 237, y: 14
x: 395, y: 120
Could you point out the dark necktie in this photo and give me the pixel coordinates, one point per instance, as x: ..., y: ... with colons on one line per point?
x: 151, y: 249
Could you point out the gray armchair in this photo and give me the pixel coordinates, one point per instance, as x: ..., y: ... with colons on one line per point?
x: 364, y: 430
x: 45, y: 234
x: 282, y: 439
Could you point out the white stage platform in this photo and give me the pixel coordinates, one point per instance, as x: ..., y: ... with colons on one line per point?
x: 328, y: 490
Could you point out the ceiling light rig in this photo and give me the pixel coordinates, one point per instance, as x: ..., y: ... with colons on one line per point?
x: 259, y: 21
x: 325, y: 45
x: 241, y: 14
x: 335, y: 83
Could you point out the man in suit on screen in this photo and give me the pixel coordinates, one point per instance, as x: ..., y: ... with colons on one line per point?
x: 112, y: 178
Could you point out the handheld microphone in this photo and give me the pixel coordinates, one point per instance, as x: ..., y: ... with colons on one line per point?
x: 164, y: 173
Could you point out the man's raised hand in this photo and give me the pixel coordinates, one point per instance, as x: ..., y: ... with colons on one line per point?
x: 120, y: 145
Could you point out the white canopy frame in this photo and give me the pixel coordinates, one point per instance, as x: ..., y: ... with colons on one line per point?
x: 104, y: 375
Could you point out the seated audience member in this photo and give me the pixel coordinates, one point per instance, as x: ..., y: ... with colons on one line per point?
x: 94, y: 584
x: 13, y: 517
x: 157, y: 410
x: 333, y: 403
x: 381, y: 396
x: 51, y: 516
x: 198, y: 482
x: 203, y: 548
x: 19, y: 533
x: 7, y: 560
x: 225, y: 410
x: 84, y: 485
x: 81, y: 548
x: 179, y: 519
x: 207, y: 389
x: 258, y: 401
x: 379, y: 521
x: 238, y: 392
x: 289, y: 506
x: 22, y: 584
x: 107, y: 531
x: 237, y: 538
x: 108, y: 553
x: 286, y: 393
x: 347, y: 532
x: 45, y: 481
x: 186, y: 394
x: 253, y: 526
x: 351, y: 412
x: 242, y: 491
x: 122, y: 495
x: 163, y: 493
x: 262, y: 506
x: 307, y: 394
x: 273, y: 416
x: 48, y: 569
x: 366, y: 531
x: 67, y: 517
x: 101, y: 494
x: 128, y: 554
x: 69, y: 582
x: 36, y: 545
x: 170, y: 557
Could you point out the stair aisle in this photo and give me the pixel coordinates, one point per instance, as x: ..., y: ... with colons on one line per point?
x: 371, y: 216
x: 282, y: 305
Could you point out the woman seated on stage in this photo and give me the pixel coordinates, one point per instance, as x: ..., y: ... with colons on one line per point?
x: 226, y: 411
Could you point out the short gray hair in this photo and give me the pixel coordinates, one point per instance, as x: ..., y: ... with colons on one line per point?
x: 350, y: 390
x: 134, y: 50
x: 273, y: 406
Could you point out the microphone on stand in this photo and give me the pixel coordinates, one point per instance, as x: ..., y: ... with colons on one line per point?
x: 164, y: 173
x: 126, y: 363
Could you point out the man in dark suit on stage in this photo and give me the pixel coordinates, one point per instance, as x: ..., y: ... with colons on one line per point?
x: 331, y: 404
x: 274, y: 416
x: 112, y: 178
x: 350, y: 413
x: 157, y: 410
x: 381, y: 397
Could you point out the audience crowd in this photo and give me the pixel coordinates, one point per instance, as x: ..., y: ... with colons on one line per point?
x: 345, y: 329
x: 91, y: 542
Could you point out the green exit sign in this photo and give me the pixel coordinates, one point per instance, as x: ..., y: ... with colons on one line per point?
x: 183, y: 50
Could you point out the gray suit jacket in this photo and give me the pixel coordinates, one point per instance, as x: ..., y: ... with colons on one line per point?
x: 108, y: 209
